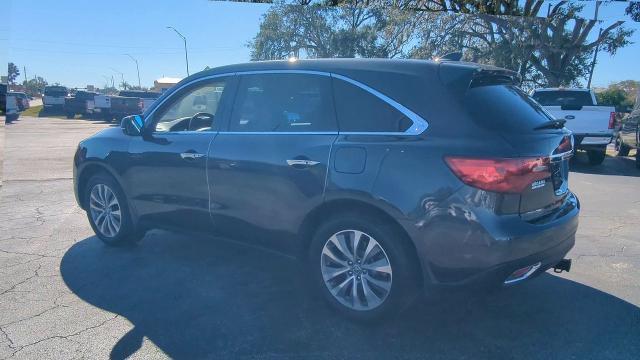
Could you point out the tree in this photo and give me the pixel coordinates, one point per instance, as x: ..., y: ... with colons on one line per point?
x: 621, y: 95
x: 633, y: 10
x: 12, y: 73
x: 35, y: 86
x: 350, y: 30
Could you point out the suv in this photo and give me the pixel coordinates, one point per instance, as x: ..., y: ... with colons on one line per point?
x: 383, y: 176
x: 54, y: 97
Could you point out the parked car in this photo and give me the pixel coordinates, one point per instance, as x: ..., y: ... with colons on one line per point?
x: 82, y: 102
x: 11, y: 110
x: 385, y: 177
x: 127, y: 102
x: 628, y: 135
x: 22, y: 100
x: 3, y: 98
x: 592, y: 125
x: 54, y: 97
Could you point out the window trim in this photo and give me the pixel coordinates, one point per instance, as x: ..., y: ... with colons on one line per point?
x: 150, y: 126
x: 418, y: 127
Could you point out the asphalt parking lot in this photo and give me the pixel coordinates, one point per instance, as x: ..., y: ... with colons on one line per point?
x: 63, y: 294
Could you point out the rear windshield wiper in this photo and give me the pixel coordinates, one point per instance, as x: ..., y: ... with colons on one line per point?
x: 551, y: 124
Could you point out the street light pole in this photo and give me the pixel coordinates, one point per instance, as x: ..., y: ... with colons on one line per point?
x: 137, y: 69
x: 186, y: 56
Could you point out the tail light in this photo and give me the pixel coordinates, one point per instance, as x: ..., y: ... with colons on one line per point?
x: 612, y: 120
x: 500, y: 175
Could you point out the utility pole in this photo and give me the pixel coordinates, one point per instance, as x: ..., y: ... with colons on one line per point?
x: 137, y: 69
x: 186, y: 56
x: 26, y: 79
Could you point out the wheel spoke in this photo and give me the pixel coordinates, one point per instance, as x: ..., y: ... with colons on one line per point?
x: 336, y: 290
x: 329, y: 273
x: 381, y: 265
x: 341, y: 245
x: 386, y: 285
x: 367, y: 251
x: 328, y: 253
x: 356, y: 241
x: 369, y: 295
x: 354, y: 292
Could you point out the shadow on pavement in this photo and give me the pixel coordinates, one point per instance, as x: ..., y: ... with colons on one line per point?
x: 612, y: 165
x: 196, y: 297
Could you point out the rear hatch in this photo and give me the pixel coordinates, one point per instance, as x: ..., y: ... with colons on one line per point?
x: 536, y: 173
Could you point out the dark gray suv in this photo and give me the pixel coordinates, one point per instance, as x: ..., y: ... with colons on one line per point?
x: 385, y: 177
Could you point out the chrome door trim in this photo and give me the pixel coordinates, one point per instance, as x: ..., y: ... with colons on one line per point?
x: 418, y: 127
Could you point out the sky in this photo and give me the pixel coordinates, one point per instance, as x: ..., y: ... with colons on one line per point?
x: 79, y: 43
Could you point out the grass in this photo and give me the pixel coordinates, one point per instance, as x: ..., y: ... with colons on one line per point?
x: 37, y: 111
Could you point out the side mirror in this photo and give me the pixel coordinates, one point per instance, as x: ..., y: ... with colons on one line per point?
x: 132, y: 125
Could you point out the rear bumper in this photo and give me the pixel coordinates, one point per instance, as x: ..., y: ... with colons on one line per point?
x: 591, y: 141
x: 480, y: 247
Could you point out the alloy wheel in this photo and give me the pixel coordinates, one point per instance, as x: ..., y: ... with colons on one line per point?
x: 356, y: 270
x: 105, y: 210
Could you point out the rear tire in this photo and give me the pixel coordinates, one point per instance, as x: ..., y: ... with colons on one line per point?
x: 115, y: 227
x: 383, y: 277
x: 621, y: 148
x: 70, y: 115
x: 596, y: 157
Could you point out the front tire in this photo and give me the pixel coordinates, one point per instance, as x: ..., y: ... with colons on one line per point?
x: 361, y: 267
x: 596, y: 157
x: 108, y: 212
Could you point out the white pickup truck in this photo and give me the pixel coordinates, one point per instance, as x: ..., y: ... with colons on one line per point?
x: 592, y: 125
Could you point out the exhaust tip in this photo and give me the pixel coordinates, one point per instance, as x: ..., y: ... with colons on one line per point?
x: 563, y: 265
x: 522, y: 273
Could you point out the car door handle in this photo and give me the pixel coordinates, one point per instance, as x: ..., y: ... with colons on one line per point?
x: 300, y: 163
x: 190, y: 155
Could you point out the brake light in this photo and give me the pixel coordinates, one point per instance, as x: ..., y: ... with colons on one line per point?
x: 500, y: 175
x: 612, y: 120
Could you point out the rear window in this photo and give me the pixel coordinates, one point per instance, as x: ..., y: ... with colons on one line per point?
x: 563, y: 98
x: 55, y: 91
x: 505, y: 107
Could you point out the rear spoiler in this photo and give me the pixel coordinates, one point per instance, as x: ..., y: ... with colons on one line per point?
x: 460, y: 76
x: 486, y: 77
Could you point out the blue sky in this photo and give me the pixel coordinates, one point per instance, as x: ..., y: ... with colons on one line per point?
x: 78, y: 42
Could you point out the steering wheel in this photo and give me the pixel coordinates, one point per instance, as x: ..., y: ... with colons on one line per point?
x: 203, y: 116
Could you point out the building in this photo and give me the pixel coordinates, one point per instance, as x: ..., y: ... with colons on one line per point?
x: 165, y: 83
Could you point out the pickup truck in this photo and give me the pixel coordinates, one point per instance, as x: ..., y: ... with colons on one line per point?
x: 80, y: 103
x: 54, y: 97
x: 592, y: 125
x: 126, y: 103
x: 628, y: 135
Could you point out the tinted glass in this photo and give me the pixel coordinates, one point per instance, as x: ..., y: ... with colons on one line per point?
x: 505, y: 107
x: 283, y: 103
x: 179, y: 114
x: 55, y: 91
x: 360, y: 111
x: 563, y: 97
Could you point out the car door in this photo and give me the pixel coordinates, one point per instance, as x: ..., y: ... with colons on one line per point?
x: 268, y: 170
x: 168, y: 179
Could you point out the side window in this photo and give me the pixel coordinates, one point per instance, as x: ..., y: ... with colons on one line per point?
x: 193, y: 110
x: 360, y: 111
x: 283, y: 103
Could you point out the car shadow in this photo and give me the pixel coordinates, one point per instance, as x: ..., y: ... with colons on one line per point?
x: 612, y: 165
x: 198, y: 297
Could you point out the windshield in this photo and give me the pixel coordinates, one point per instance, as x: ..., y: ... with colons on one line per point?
x: 564, y: 98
